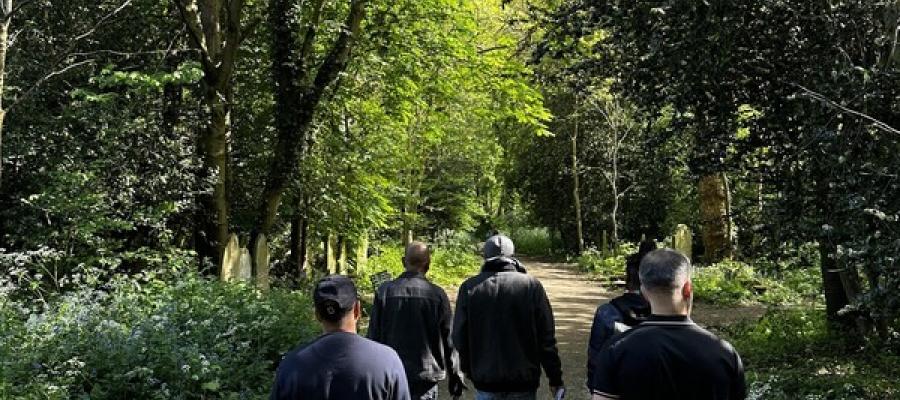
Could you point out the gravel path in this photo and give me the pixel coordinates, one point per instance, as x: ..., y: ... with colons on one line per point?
x: 574, y: 298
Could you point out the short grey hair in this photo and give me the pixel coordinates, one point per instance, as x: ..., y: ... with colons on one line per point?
x: 664, y: 270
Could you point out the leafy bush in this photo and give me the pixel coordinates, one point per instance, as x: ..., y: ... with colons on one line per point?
x: 533, y: 241
x: 608, y: 266
x: 733, y: 282
x: 449, y: 265
x: 791, y: 354
x: 146, y: 338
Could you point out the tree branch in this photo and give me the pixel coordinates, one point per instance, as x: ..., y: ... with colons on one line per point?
x: 821, y: 98
x: 69, y: 48
x: 8, y: 15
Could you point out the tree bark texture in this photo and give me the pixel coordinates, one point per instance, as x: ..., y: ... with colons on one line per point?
x: 832, y: 284
x: 295, y: 99
x: 715, y: 217
x: 215, y: 30
x: 576, y: 195
x: 4, y: 46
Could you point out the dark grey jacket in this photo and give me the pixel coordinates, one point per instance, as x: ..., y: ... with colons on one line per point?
x: 504, y: 330
x: 412, y: 316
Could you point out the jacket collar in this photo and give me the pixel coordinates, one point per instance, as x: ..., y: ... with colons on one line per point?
x: 502, y: 264
x: 412, y: 274
x: 668, y: 320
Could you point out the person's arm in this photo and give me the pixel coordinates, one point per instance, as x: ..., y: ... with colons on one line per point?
x: 603, y: 383
x: 739, y: 388
x: 400, y: 388
x: 455, y: 378
x: 546, y: 331
x: 460, y: 333
x: 375, y: 318
x: 602, y: 330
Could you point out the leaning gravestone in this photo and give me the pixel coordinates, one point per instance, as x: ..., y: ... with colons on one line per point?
x: 231, y: 259
x: 261, y: 259
x: 681, y: 240
x: 246, y: 266
x: 379, y: 278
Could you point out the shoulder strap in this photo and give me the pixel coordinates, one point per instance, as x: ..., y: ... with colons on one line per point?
x: 630, y: 316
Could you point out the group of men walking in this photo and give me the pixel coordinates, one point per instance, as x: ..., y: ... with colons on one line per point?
x: 643, y: 344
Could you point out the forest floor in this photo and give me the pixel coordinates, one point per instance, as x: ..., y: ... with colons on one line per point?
x: 574, y: 298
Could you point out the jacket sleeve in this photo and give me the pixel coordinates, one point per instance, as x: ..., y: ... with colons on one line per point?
x: 739, y: 384
x: 546, y: 335
x: 460, y: 335
x: 375, y: 317
x: 455, y: 377
x: 602, y: 330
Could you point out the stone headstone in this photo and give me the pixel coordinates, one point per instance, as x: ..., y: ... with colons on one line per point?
x: 245, y: 271
x: 261, y: 260
x: 682, y: 240
x: 379, y: 278
x: 231, y: 259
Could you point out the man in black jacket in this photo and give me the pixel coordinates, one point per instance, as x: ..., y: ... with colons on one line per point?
x: 668, y: 356
x: 504, y: 328
x: 621, y: 313
x: 412, y: 316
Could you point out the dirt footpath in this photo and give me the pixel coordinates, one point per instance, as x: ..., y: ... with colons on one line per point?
x: 574, y: 298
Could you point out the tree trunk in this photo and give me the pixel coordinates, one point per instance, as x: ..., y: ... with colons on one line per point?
x: 213, y: 147
x: 715, y: 217
x: 299, y: 239
x: 4, y: 46
x: 832, y: 285
x: 576, y: 195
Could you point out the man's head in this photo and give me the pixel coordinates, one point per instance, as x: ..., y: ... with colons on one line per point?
x: 498, y: 246
x: 417, y: 257
x: 337, y: 303
x: 632, y: 266
x: 666, y: 281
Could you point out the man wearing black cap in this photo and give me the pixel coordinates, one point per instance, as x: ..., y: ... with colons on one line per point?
x: 504, y: 328
x: 668, y: 356
x: 412, y: 316
x: 340, y: 364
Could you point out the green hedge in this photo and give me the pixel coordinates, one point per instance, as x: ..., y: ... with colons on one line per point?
x: 791, y: 354
x: 449, y: 265
x: 151, y: 339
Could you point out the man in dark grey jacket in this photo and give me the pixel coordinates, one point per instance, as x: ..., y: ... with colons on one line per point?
x: 412, y: 316
x: 504, y: 329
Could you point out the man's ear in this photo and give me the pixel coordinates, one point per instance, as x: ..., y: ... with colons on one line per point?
x: 687, y: 291
x: 403, y: 261
x: 357, y: 310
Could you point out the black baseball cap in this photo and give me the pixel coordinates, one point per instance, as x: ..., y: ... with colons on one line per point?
x: 498, y: 246
x: 337, y: 289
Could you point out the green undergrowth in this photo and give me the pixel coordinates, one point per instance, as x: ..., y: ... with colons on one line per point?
x: 449, y: 266
x: 143, y: 338
x: 725, y: 283
x: 791, y: 354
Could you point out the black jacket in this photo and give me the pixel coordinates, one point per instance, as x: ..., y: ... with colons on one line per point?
x: 629, y: 309
x: 412, y: 316
x: 504, y: 330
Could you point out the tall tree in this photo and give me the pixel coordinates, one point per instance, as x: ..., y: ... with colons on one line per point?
x: 215, y: 28
x: 296, y: 94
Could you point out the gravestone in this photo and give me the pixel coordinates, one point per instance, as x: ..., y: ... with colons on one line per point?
x: 245, y: 271
x: 682, y: 240
x: 261, y: 260
x: 231, y: 259
x: 379, y: 278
